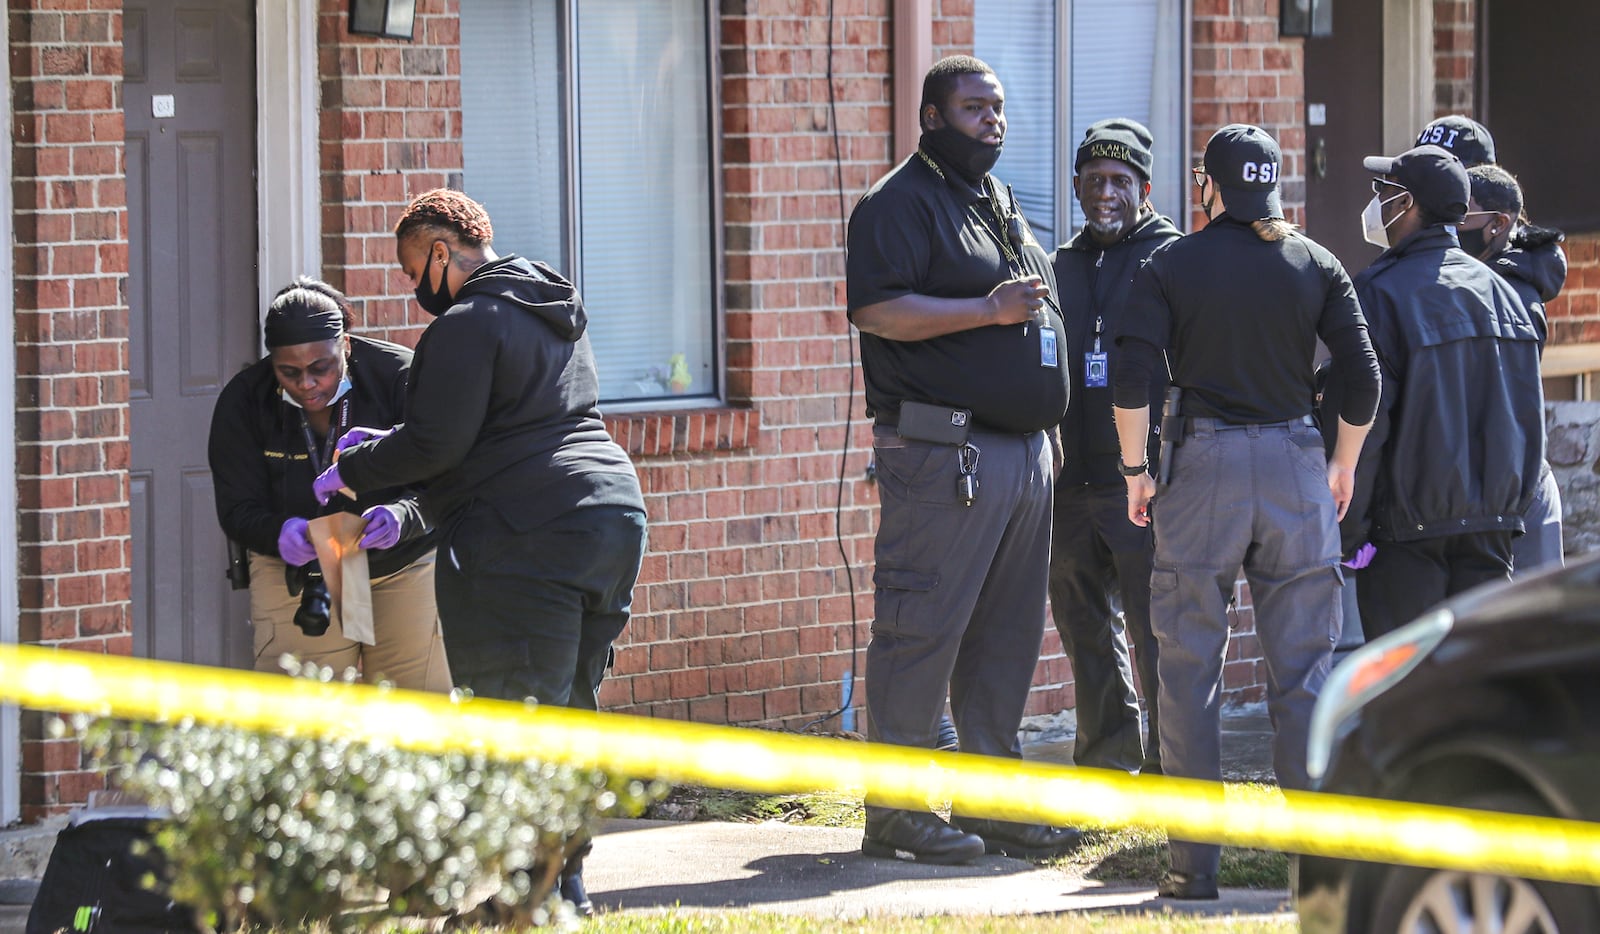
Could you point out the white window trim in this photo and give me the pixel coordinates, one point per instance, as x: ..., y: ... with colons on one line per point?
x: 287, y: 198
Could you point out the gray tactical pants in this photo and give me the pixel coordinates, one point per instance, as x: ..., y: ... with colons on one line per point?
x: 1256, y: 496
x: 1541, y: 543
x: 960, y: 590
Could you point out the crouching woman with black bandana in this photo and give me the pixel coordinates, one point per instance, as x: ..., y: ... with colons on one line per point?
x: 274, y: 429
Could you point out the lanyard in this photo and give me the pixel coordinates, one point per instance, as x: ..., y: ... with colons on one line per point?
x: 1012, y: 254
x: 336, y: 431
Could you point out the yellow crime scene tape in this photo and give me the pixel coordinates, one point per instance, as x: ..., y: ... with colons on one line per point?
x: 779, y: 763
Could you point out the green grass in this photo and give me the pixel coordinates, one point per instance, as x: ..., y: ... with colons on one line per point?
x: 682, y: 922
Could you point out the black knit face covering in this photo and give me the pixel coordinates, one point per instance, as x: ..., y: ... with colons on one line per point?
x: 972, y: 159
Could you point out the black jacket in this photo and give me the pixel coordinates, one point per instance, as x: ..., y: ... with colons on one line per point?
x: 1536, y: 267
x: 262, y: 472
x: 1093, y: 282
x: 1459, y: 437
x: 501, y: 407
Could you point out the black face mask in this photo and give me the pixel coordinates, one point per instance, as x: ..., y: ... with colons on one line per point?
x: 1472, y: 241
x: 972, y: 159
x: 434, y: 301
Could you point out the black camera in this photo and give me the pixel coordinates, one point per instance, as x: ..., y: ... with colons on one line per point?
x: 316, y: 605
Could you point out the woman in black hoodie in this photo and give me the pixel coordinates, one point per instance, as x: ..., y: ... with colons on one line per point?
x: 540, y: 512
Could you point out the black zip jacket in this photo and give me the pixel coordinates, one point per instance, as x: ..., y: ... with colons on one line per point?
x: 501, y: 408
x: 262, y: 472
x: 1536, y: 267
x: 1459, y: 436
x: 1093, y: 283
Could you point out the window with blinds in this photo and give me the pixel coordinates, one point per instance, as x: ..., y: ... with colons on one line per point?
x: 1067, y: 63
x: 586, y: 134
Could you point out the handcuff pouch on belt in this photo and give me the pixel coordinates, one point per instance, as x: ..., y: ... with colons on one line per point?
x: 1171, y: 433
x: 942, y: 424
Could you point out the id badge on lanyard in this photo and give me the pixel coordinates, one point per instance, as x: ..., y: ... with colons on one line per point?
x: 1048, y: 355
x: 1096, y: 373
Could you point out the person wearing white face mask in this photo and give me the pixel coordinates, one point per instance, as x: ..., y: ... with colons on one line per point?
x: 1454, y: 455
x: 274, y: 427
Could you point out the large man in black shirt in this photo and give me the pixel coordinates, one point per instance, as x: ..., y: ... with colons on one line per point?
x: 959, y: 349
x: 1096, y: 555
x: 1238, y: 308
x: 1456, y: 451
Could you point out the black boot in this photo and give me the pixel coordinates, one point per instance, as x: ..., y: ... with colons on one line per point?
x: 917, y: 836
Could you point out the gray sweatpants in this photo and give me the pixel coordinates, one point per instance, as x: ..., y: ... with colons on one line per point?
x: 960, y: 590
x: 1256, y: 496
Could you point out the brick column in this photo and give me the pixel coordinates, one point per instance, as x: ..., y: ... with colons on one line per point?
x: 71, y: 259
x: 390, y: 129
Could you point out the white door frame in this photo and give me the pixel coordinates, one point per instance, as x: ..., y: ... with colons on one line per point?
x: 288, y: 202
x: 1408, y: 77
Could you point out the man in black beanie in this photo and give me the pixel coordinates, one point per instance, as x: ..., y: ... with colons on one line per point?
x: 1097, y: 556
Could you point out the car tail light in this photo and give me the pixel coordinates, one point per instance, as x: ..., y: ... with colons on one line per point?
x: 1366, y: 673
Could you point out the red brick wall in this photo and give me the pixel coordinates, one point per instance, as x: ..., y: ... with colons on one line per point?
x: 390, y: 129
x: 1243, y: 73
x: 1454, y: 56
x: 72, y: 356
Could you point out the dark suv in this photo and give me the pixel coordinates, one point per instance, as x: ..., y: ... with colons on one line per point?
x: 1490, y: 701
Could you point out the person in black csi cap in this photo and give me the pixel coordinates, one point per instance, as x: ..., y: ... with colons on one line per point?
x: 1468, y: 139
x: 1456, y: 449
x: 1238, y: 307
x: 1097, y: 558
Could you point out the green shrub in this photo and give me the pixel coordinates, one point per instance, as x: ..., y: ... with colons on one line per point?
x: 280, y: 830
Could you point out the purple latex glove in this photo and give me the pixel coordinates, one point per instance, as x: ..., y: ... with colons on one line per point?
x: 359, y: 434
x: 294, y: 543
x: 327, y: 484
x: 383, y: 527
x: 1362, y: 557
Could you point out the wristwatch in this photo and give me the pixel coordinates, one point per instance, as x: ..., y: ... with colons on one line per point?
x: 1135, y: 471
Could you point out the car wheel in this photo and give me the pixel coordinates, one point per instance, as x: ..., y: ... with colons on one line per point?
x: 1413, y: 900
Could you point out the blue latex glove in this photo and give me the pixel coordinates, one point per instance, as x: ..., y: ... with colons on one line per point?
x: 383, y: 527
x: 294, y: 543
x: 1362, y: 557
x: 327, y: 484
x: 358, y: 434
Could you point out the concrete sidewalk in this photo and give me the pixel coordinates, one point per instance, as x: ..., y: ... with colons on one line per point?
x: 652, y: 865
x: 647, y: 865
x: 642, y: 865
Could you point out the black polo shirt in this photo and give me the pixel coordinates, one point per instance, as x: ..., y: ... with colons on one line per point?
x: 1239, y: 318
x: 925, y: 231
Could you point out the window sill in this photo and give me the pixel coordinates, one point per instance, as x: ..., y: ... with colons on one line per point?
x: 685, y: 431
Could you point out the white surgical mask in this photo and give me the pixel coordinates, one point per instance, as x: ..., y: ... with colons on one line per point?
x: 1373, y: 229
x: 344, y: 386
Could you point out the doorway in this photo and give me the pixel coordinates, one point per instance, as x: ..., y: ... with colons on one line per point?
x: 1344, y: 124
x: 189, y: 100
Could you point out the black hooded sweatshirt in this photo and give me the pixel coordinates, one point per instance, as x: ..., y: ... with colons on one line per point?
x: 501, y: 408
x: 1536, y: 267
x: 1093, y: 283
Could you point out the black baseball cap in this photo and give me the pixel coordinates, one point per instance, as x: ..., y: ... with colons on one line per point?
x: 1434, y: 176
x: 1462, y: 135
x: 1244, y: 161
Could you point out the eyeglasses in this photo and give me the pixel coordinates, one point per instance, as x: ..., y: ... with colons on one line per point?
x: 1199, y: 174
x: 1378, y: 183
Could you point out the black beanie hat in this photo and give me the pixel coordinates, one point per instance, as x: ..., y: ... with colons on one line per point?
x: 1118, y: 138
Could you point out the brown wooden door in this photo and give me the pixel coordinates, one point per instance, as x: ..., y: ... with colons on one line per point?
x: 189, y: 105
x: 1344, y: 75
